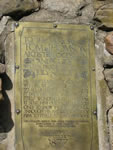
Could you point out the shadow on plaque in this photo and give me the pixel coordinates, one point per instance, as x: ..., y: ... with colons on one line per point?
x: 6, y: 122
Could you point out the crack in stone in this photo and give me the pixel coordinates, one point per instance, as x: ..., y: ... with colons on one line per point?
x: 105, y: 28
x: 17, y: 15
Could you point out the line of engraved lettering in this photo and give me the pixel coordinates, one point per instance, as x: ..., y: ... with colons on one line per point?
x: 38, y: 49
x: 45, y: 56
x: 55, y: 123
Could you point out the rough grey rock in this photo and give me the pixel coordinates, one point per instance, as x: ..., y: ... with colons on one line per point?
x: 2, y: 68
x: 99, y: 48
x: 105, y: 15
x: 3, y: 35
x: 66, y: 7
x: 110, y: 117
x: 49, y: 16
x: 100, y: 3
x: 3, y: 23
x: 108, y: 61
x: 70, y: 8
x: 64, y: 12
x: 2, y: 136
x: 108, y: 73
x: 17, y: 6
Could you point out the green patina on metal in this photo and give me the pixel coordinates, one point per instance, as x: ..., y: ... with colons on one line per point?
x: 55, y: 87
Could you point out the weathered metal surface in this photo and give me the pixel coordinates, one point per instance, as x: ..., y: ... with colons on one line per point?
x: 3, y: 147
x: 55, y: 87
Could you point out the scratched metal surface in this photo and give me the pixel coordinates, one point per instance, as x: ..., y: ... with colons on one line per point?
x: 55, y: 87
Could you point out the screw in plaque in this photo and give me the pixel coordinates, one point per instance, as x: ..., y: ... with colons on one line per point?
x: 93, y: 69
x: 55, y: 25
x: 92, y: 27
x: 95, y: 112
x: 16, y: 24
x: 16, y: 67
x: 18, y: 111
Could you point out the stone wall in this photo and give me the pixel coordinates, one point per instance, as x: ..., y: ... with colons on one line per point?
x: 96, y: 13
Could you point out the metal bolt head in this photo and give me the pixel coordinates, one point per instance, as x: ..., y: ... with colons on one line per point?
x: 93, y: 69
x: 18, y: 111
x: 16, y: 24
x: 95, y: 112
x: 92, y: 27
x: 55, y: 25
x: 16, y: 67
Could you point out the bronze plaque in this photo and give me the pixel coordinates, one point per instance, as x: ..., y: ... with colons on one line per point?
x: 55, y: 87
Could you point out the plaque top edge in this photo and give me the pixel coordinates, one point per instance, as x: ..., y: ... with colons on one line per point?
x: 53, y: 25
